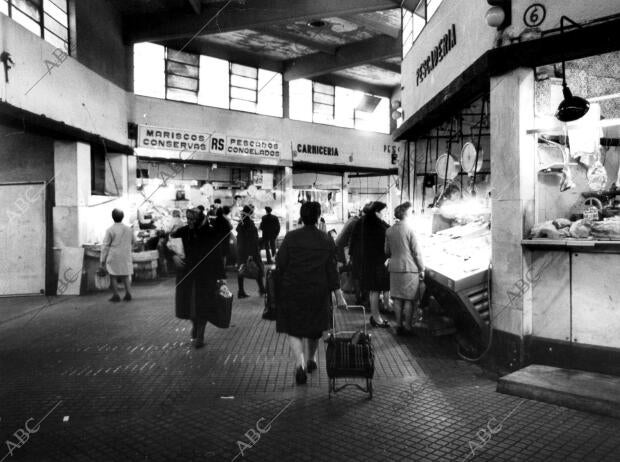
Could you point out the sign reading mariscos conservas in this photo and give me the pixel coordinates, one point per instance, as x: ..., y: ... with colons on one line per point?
x: 172, y: 139
x: 437, y: 54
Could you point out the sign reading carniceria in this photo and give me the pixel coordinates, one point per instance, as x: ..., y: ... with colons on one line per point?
x: 447, y: 42
x: 317, y: 149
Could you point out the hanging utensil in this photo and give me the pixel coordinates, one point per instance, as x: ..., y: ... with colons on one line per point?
x: 449, y: 171
x: 468, y: 158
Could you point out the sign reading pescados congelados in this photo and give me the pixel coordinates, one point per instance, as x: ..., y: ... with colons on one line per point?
x: 447, y: 42
x: 174, y: 139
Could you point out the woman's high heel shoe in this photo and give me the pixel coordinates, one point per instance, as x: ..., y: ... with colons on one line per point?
x: 374, y: 323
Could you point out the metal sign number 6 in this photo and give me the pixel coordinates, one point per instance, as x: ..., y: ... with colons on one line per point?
x: 534, y: 15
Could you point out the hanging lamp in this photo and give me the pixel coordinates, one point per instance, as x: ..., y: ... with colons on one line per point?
x: 572, y: 107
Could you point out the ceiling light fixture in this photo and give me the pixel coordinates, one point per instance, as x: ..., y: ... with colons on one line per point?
x: 572, y: 107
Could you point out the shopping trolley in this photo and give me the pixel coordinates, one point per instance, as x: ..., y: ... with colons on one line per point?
x: 349, y: 354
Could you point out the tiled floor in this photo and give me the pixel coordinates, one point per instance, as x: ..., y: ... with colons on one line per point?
x: 122, y: 383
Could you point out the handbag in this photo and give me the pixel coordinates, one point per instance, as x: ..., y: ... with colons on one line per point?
x: 102, y: 279
x: 222, y: 311
x: 249, y: 269
x: 347, y: 282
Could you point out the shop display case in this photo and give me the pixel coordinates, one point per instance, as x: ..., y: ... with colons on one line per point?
x: 457, y: 261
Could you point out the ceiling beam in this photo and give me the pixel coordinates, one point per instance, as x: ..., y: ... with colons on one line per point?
x: 196, y: 6
x: 375, y: 25
x: 280, y: 33
x: 347, y: 82
x: 201, y: 46
x: 355, y: 54
x: 258, y: 13
x: 388, y: 67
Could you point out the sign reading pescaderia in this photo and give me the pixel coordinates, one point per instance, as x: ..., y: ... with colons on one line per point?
x: 173, y: 139
x: 437, y: 54
x: 317, y: 149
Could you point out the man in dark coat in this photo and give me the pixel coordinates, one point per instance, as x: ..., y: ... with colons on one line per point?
x: 270, y: 226
x: 196, y: 281
x: 344, y: 238
x: 306, y: 265
x: 247, y: 246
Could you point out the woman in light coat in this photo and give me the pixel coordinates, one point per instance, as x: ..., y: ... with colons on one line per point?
x: 116, y: 255
x: 405, y: 266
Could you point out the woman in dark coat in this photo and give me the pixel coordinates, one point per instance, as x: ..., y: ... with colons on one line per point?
x: 247, y: 246
x: 368, y: 240
x: 307, y: 272
x: 196, y: 281
x: 223, y: 230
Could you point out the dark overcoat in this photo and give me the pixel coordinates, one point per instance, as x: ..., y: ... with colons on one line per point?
x: 270, y: 226
x: 368, y: 254
x: 196, y: 283
x: 247, y: 242
x: 222, y: 229
x: 307, y: 272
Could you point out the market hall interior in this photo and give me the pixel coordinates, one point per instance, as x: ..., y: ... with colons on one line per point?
x: 485, y: 133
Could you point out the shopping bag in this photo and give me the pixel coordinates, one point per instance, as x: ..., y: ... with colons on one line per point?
x: 222, y: 311
x: 175, y: 244
x: 102, y: 279
x: 249, y: 269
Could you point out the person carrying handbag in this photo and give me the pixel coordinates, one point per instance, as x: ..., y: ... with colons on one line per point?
x: 199, y: 277
x: 248, y: 252
x: 116, y: 256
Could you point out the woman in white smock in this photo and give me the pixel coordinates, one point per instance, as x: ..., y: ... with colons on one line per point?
x: 116, y: 255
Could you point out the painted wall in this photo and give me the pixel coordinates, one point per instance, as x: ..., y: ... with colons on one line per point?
x: 355, y: 147
x: 68, y: 91
x: 25, y: 156
x: 100, y: 41
x: 473, y: 39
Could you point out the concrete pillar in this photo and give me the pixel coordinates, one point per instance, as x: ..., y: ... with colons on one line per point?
x: 345, y: 196
x: 132, y: 167
x: 72, y: 186
x: 290, y: 198
x: 512, y: 193
x: 286, y: 99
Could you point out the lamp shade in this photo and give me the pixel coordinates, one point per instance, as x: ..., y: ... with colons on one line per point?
x: 495, y: 16
x: 572, y: 107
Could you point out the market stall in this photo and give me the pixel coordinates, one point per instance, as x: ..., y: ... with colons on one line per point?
x: 573, y: 248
